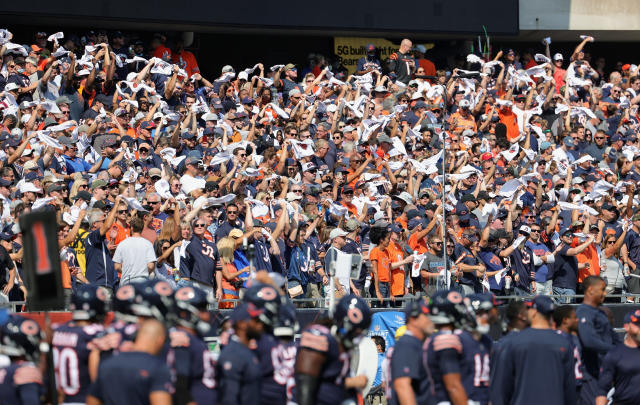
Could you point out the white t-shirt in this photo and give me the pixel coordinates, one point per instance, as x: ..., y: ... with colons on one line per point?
x: 134, y: 253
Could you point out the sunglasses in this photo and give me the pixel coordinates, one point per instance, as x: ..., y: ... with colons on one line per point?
x: 437, y: 243
x: 199, y: 225
x: 296, y: 191
x: 232, y: 212
x: 535, y: 230
x: 154, y: 202
x: 144, y: 150
x: 122, y: 211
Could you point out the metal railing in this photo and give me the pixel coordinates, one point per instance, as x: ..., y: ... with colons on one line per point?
x: 394, y: 304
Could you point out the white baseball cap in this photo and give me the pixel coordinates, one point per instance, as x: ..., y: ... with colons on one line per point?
x: 558, y: 56
x: 29, y: 187
x: 337, y: 233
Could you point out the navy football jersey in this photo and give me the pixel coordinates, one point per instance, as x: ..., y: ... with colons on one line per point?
x: 200, y: 261
x: 407, y: 360
x: 238, y: 374
x: 20, y: 384
x: 118, y: 337
x: 578, y: 368
x: 190, y: 357
x: 72, y: 345
x: 331, y: 390
x: 130, y: 377
x: 536, y: 366
x: 621, y: 370
x: 277, y: 361
x: 458, y: 353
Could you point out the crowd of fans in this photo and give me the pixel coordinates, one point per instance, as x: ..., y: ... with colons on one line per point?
x: 158, y: 170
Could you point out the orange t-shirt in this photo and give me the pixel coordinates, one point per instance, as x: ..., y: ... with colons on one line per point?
x: 418, y: 246
x: 163, y: 52
x: 589, y: 255
x: 122, y: 233
x: 384, y: 264
x: 510, y: 120
x: 186, y: 61
x: 397, y: 275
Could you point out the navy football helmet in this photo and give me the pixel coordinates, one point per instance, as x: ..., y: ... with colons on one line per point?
x: 287, y: 323
x: 267, y: 298
x: 352, y: 318
x: 89, y: 302
x: 449, y: 307
x: 189, y: 302
x: 21, y: 337
x: 482, y: 301
x: 126, y: 302
x: 155, y: 300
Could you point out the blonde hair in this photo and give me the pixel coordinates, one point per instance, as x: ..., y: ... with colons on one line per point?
x: 226, y: 247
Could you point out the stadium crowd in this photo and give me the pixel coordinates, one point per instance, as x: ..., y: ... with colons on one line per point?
x: 514, y: 174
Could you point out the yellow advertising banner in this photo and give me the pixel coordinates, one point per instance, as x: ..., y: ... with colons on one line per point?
x: 350, y: 49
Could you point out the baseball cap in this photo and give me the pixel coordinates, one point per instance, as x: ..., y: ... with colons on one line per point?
x: 337, y: 232
x: 413, y: 223
x: 545, y: 145
x: 568, y: 141
x: 147, y: 125
x: 395, y: 228
x: 351, y: 225
x: 245, y: 312
x: 558, y: 56
x: 29, y: 187
x: 55, y: 187
x: 464, y: 103
x: 155, y: 172
x: 632, y: 317
x: 413, y: 308
x: 525, y: 229
x: 608, y: 207
x: 308, y: 166
x: 83, y: 195
x: 289, y: 66
x: 98, y: 183
x: 542, y: 304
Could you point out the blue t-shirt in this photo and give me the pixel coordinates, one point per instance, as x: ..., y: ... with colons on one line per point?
x: 539, y: 249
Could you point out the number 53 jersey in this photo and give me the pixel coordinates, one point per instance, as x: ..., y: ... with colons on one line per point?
x: 458, y: 352
x: 72, y: 345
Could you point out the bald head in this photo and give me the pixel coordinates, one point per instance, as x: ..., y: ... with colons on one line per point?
x: 150, y: 337
x: 405, y: 45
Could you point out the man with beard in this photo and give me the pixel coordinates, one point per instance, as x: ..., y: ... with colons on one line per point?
x: 621, y: 366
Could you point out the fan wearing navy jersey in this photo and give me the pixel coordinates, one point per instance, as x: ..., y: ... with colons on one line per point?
x: 323, y: 359
x: 21, y: 381
x: 191, y: 362
x: 450, y: 353
x: 238, y: 370
x: 201, y: 264
x: 621, y: 366
x: 139, y: 376
x: 566, y: 323
x: 75, y: 355
x: 536, y: 364
x: 520, y: 264
x: 408, y: 372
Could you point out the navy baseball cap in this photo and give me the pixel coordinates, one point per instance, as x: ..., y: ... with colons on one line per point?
x: 4, y: 183
x: 414, y: 308
x: 542, y: 304
x: 245, y: 312
x: 414, y: 223
x: 395, y: 228
x: 632, y: 317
